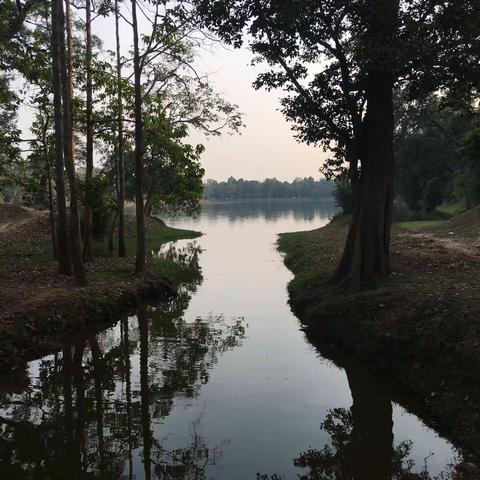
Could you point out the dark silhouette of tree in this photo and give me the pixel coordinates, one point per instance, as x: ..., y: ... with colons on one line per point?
x: 338, y: 63
x: 64, y: 263
x: 122, y: 250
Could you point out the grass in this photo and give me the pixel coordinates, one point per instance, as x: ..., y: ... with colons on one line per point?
x: 28, y: 252
x: 112, y: 267
x: 420, y: 224
x: 420, y: 220
x: 453, y: 209
x: 158, y: 237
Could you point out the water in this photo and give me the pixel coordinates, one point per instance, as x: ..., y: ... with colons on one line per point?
x: 219, y: 383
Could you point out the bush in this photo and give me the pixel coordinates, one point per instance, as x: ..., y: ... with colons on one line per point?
x: 343, y: 194
x: 103, y: 203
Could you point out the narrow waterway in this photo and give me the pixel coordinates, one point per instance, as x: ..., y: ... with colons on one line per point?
x: 219, y: 383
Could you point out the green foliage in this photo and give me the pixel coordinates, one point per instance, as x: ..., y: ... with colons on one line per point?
x: 343, y: 194
x: 100, y: 197
x: 173, y: 171
x: 11, y: 165
x: 269, y: 188
x: 320, y: 58
x: 433, y: 163
x: 470, y: 153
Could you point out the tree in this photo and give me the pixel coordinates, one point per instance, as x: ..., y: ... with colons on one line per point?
x: 64, y: 145
x: 87, y: 217
x: 429, y: 138
x: 139, y: 175
x: 470, y: 152
x: 122, y: 251
x: 362, y: 49
x: 64, y: 262
x: 43, y: 149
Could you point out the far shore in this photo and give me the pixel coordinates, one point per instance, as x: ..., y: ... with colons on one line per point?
x: 209, y: 201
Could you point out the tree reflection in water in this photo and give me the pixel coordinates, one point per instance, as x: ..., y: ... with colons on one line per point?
x: 89, y: 410
x: 362, y: 441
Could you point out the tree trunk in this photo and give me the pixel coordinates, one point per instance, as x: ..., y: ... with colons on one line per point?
x: 64, y: 265
x: 68, y: 152
x: 51, y: 211
x: 111, y: 233
x: 367, y: 249
x: 122, y: 250
x: 88, y: 215
x: 139, y: 210
x: 128, y: 393
x: 148, y: 202
x: 145, y: 392
x: 370, y: 453
x: 48, y: 175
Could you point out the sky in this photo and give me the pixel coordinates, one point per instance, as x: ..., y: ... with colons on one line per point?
x: 265, y: 147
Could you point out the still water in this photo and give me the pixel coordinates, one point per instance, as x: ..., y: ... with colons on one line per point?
x: 218, y: 383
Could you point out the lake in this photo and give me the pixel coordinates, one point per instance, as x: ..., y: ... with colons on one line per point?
x: 220, y: 382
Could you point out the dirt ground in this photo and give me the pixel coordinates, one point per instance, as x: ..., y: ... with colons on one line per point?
x: 420, y: 329
x: 38, y: 306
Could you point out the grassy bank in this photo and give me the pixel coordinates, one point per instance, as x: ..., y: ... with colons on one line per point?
x: 38, y: 306
x: 419, y: 329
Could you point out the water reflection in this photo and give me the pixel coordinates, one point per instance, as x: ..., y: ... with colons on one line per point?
x: 361, y: 438
x: 177, y: 391
x: 236, y: 212
x: 90, y: 410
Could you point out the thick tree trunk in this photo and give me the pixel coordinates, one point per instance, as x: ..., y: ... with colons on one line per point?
x: 139, y: 173
x: 68, y: 152
x: 367, y: 249
x: 122, y: 249
x: 370, y: 453
x: 64, y: 265
x: 88, y: 215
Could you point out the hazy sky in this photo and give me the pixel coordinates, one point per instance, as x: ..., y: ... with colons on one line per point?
x: 266, y: 146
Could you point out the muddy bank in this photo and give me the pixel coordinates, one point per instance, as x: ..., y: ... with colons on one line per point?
x: 419, y: 330
x: 37, y: 328
x: 38, y: 306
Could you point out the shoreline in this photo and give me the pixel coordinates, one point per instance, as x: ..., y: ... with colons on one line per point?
x: 39, y: 307
x: 38, y: 329
x: 414, y: 330
x: 328, y: 199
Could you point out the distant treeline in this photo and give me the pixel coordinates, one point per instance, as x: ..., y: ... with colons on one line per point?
x: 240, y: 189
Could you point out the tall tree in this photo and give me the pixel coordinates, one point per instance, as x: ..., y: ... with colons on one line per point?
x: 122, y: 250
x: 140, y: 260
x: 64, y: 263
x: 66, y: 74
x: 87, y: 218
